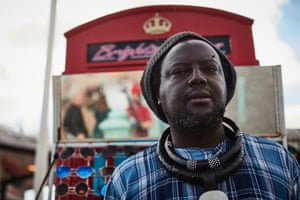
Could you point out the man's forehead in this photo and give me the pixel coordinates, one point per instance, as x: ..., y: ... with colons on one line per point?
x: 184, y: 47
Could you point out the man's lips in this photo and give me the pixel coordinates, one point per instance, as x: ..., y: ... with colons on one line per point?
x: 199, y: 97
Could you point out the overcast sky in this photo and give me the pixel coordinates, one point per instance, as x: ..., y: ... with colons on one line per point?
x: 24, y: 32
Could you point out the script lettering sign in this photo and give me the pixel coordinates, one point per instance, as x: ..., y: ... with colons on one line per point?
x: 136, y: 50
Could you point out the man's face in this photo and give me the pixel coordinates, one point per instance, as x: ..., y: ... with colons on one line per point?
x: 193, y: 88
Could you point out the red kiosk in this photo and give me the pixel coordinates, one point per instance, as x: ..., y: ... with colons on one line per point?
x: 123, y: 42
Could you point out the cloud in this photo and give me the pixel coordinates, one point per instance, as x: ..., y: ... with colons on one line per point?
x: 28, y: 34
x: 292, y: 114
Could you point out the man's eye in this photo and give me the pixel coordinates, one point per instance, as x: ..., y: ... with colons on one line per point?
x: 179, y: 72
x: 211, y: 68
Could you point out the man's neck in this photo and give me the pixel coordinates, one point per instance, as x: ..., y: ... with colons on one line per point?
x: 201, y: 138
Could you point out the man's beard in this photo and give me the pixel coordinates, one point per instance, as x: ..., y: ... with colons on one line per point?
x: 189, y: 120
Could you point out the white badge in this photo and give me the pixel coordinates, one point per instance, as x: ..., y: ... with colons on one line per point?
x: 213, y: 195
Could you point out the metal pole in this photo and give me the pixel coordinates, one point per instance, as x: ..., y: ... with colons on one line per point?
x: 42, y: 147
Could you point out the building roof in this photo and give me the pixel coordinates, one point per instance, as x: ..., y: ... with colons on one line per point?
x: 16, y: 156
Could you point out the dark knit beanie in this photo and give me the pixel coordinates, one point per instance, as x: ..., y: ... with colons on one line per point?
x: 150, y: 81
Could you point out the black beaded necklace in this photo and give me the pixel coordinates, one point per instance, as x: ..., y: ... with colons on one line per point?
x: 204, y: 172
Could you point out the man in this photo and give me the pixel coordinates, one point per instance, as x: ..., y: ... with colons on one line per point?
x: 202, y: 154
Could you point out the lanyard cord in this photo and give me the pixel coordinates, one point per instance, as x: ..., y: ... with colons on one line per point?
x: 205, y: 172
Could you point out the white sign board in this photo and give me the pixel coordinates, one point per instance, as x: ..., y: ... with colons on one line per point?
x: 257, y: 105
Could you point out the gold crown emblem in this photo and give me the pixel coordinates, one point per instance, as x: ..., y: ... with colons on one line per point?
x: 157, y: 25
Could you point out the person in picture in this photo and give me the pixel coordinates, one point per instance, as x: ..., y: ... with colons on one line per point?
x: 98, y: 104
x: 139, y: 115
x: 73, y: 123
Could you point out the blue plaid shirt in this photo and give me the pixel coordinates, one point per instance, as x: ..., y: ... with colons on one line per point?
x: 268, y: 171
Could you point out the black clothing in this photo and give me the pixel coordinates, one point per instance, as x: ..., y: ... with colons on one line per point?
x: 73, y: 121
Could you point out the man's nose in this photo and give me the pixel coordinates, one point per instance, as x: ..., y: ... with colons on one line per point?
x: 197, y: 77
